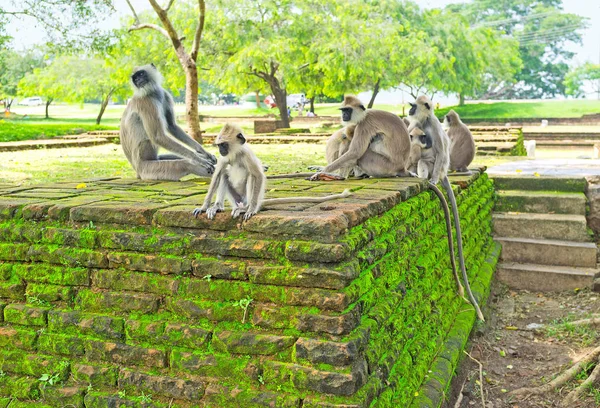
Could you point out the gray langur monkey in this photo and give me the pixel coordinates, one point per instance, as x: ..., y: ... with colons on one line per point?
x: 462, y: 144
x: 380, y: 146
x: 421, y: 115
x: 422, y: 162
x: 338, y: 144
x: 239, y: 177
x: 149, y: 123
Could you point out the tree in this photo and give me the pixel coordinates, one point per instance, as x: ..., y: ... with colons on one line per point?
x: 258, y: 43
x: 73, y: 79
x: 186, y: 59
x: 544, y: 32
x: 68, y: 23
x: 579, y: 77
x: 13, y: 67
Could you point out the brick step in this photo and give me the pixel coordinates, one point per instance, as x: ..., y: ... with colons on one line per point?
x: 544, y: 278
x: 529, y: 183
x: 541, y: 202
x: 567, y: 227
x: 548, y: 252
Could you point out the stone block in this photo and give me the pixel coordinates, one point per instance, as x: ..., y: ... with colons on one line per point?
x: 22, y: 232
x: 20, y: 387
x: 34, y: 365
x: 548, y: 252
x: 250, y: 343
x: 49, y: 293
x: 328, y: 352
x: 541, y: 202
x: 70, y: 346
x: 325, y: 225
x: 12, y: 289
x: 214, y: 311
x: 303, y: 277
x: 143, y: 242
x: 309, y: 251
x: 181, y: 216
x: 64, y: 396
x: 11, y: 207
x: 565, y: 227
x: 328, y: 382
x: 25, y: 315
x: 61, y: 209
x: 218, y: 395
x: 178, y: 388
x: 593, y: 196
x: 167, y: 333
x: 338, y: 325
x: 14, y: 252
x: 219, y: 269
x: 165, y: 264
x: 119, y: 280
x: 98, y: 376
x: 68, y: 256
x: 542, y: 278
x: 91, y: 301
x: 123, y: 354
x: 74, y: 322
x: 6, y: 271
x: 529, y: 183
x: 115, y: 212
x: 56, y: 275
x: 83, y: 238
x: 16, y: 337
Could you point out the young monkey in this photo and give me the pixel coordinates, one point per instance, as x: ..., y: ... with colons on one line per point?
x: 240, y: 178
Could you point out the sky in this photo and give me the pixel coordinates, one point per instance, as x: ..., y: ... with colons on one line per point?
x: 26, y: 34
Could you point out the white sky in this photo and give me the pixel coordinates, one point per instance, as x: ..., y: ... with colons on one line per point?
x: 25, y: 32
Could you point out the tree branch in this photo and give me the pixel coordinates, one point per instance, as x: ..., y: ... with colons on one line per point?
x: 199, y: 29
x: 168, y: 27
x: 150, y: 26
x: 135, y: 16
x: 169, y: 5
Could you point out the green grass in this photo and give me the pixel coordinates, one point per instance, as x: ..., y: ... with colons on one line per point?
x: 73, y: 164
x: 16, y: 130
x: 538, y: 110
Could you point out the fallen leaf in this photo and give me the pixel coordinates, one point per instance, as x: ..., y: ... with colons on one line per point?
x: 504, y: 390
x: 536, y: 174
x: 510, y: 367
x: 518, y: 171
x: 80, y: 185
x: 511, y: 328
x: 502, y: 353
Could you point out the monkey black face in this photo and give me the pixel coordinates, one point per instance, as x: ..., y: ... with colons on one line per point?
x: 223, y: 148
x: 140, y: 78
x: 346, y: 114
x: 413, y: 109
x: 425, y: 141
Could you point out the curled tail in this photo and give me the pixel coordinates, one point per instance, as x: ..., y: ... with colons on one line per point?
x: 291, y: 200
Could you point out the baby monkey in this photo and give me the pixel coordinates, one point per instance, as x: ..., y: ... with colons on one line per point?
x: 240, y: 178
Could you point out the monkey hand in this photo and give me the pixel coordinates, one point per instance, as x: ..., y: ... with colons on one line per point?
x: 198, y: 211
x: 210, y: 168
x: 265, y: 168
x: 249, y: 214
x: 240, y: 208
x: 212, y: 211
x: 316, y: 168
x: 325, y: 177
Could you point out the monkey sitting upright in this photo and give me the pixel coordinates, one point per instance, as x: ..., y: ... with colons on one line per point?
x: 462, y: 146
x: 239, y: 177
x: 338, y: 144
x: 421, y: 115
x: 149, y: 123
x: 421, y: 156
x: 387, y: 156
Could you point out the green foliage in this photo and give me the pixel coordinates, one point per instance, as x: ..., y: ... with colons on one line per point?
x: 12, y: 131
x: 577, y: 78
x: 544, y: 33
x: 13, y: 67
x: 244, y: 304
x: 542, y: 110
x: 49, y: 379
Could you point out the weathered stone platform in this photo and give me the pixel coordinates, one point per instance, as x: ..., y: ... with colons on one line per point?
x: 112, y: 292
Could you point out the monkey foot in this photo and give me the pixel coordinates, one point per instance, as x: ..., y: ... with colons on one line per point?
x: 197, y: 212
x: 325, y: 177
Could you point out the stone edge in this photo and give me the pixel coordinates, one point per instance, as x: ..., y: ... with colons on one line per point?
x: 435, y: 389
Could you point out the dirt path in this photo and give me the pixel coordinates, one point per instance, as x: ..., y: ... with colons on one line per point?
x: 525, y: 343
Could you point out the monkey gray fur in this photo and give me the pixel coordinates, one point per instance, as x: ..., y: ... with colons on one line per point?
x: 149, y: 123
x: 421, y: 115
x: 239, y: 177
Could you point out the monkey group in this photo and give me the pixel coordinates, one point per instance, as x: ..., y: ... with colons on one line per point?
x: 373, y: 143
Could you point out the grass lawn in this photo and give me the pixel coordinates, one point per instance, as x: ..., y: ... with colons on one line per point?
x: 16, y: 130
x: 541, y: 110
x: 72, y: 164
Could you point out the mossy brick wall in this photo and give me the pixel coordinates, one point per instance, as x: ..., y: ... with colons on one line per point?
x: 113, y: 293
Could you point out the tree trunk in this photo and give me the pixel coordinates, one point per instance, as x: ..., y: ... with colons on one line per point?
x: 191, y: 101
x: 48, y: 102
x: 312, y: 104
x: 257, y: 100
x: 280, y: 99
x: 375, y: 92
x: 8, y: 103
x: 103, y: 106
x: 461, y: 99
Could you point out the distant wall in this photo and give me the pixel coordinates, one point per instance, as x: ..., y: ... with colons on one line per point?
x: 115, y: 292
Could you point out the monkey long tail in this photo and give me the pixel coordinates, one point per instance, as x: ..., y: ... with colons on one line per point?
x: 461, y: 259
x: 290, y: 200
x: 444, y: 203
x: 290, y: 175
